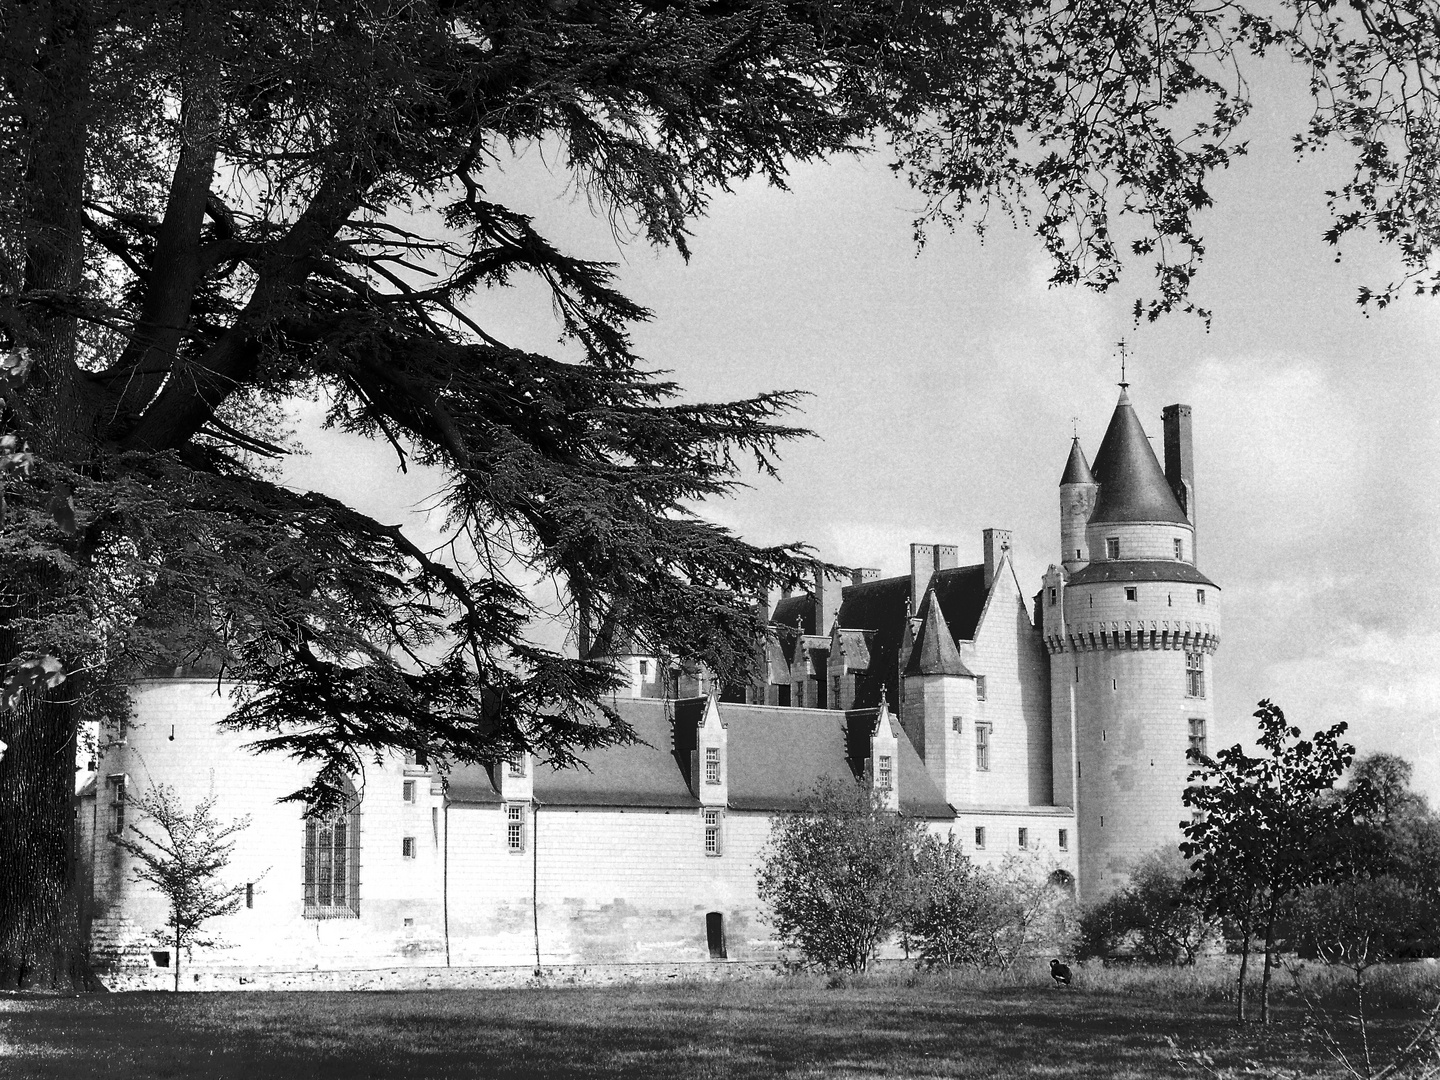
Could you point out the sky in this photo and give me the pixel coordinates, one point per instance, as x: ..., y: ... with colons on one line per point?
x: 945, y: 382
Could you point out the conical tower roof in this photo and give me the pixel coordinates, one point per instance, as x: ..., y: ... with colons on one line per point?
x: 934, y: 651
x: 1132, y: 484
x: 1077, y: 469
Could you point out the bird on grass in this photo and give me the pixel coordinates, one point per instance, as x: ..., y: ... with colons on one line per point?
x: 1060, y: 973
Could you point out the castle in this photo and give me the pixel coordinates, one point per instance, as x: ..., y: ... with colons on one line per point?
x: 1051, y: 729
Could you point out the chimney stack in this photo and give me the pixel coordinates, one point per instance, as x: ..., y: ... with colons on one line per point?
x: 997, y: 543
x: 922, y: 566
x: 862, y: 575
x: 827, y: 600
x: 1180, y: 458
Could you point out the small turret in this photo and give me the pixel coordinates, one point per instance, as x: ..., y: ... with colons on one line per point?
x: 1077, y: 500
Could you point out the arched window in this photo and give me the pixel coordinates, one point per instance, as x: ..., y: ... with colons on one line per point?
x: 332, y: 861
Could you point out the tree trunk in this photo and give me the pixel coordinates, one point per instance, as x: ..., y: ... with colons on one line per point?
x: 1244, y: 964
x: 1265, y: 978
x: 177, y: 956
x: 39, y: 922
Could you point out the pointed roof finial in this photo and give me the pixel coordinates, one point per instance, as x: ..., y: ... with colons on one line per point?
x: 1124, y: 348
x: 882, y: 699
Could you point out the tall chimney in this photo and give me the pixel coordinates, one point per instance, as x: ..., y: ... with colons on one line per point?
x: 922, y: 566
x: 1180, y: 459
x: 997, y: 543
x: 827, y: 600
x: 947, y: 556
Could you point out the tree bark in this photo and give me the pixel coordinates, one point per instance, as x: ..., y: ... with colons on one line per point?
x: 1265, y: 978
x: 1244, y: 964
x: 40, y: 942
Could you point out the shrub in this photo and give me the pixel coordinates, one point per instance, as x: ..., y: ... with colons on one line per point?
x: 958, y: 912
x: 837, y: 875
x: 1155, y: 916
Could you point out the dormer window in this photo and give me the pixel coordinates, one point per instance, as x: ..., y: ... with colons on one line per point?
x: 712, y: 765
x: 1053, y: 592
x: 644, y: 670
x: 883, y: 778
x: 517, y: 765
x: 1112, y: 547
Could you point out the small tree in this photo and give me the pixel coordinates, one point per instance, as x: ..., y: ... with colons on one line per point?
x: 837, y: 875
x: 1038, y: 911
x: 1163, y: 920
x: 1260, y: 829
x: 957, y: 910
x: 182, y: 862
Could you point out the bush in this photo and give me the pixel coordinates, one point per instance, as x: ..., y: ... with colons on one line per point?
x: 1156, y: 917
x: 958, y: 912
x: 837, y: 875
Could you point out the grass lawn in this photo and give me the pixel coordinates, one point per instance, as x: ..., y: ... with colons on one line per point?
x: 783, y: 1028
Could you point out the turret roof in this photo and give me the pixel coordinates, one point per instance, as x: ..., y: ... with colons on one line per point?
x: 1077, y: 469
x: 934, y: 651
x: 1132, y: 484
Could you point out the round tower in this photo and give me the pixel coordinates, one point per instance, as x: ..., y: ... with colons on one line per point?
x: 1077, y: 499
x: 1132, y: 632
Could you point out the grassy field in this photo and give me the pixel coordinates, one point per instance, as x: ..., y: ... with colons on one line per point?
x: 1112, y: 1025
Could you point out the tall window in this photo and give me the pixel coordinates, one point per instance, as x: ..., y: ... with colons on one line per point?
x: 980, y: 837
x: 1197, y: 734
x: 116, y: 787
x: 1112, y: 547
x: 1064, y: 840
x: 1199, y: 596
x: 407, y: 847
x: 517, y: 765
x: 883, y: 778
x: 712, y: 832
x: 712, y: 765
x: 982, y: 747
x: 332, y: 861
x: 1132, y: 594
x: 956, y: 724
x: 980, y: 687
x: 1024, y: 838
x: 1194, y: 674
x: 1179, y: 549
x: 515, y: 827
x: 407, y: 790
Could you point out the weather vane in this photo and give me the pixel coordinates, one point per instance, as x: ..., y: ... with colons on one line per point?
x: 1123, y: 347
x: 1074, y: 427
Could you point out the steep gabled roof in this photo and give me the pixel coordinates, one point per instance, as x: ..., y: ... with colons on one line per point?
x: 776, y: 757
x: 883, y: 606
x: 646, y: 773
x: 1077, y: 469
x: 934, y: 651
x: 798, y: 609
x: 1132, y: 484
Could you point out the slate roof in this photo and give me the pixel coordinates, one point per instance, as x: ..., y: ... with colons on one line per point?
x: 934, y: 651
x: 1140, y: 570
x: 775, y: 758
x: 1132, y: 484
x: 1077, y: 469
x: 647, y: 773
x: 881, y: 606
